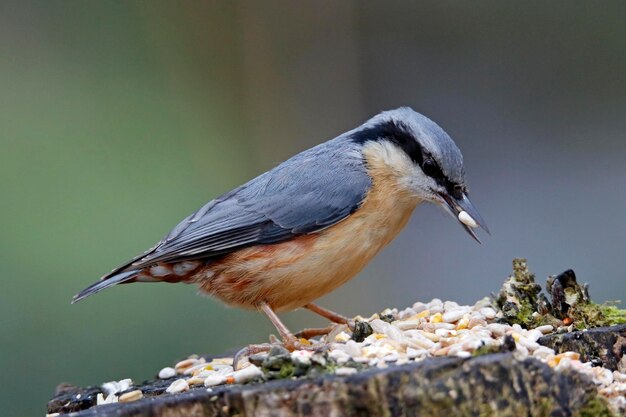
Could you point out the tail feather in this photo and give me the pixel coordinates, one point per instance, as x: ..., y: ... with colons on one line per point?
x: 105, y: 283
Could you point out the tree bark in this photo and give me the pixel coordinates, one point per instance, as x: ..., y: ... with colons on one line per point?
x: 489, y: 385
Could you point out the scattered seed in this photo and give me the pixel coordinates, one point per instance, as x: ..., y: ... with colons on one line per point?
x: 213, y: 380
x: 114, y: 387
x: 545, y: 329
x: 131, y: 396
x: 436, y: 318
x: 424, y: 330
x: 177, y: 386
x: 167, y: 373
x: 452, y: 316
x: 195, y: 380
x: 183, y: 365
x: 345, y: 371
x: 109, y: 399
x: 246, y: 374
x: 488, y: 313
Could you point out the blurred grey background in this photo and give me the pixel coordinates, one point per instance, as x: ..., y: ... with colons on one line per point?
x: 118, y: 119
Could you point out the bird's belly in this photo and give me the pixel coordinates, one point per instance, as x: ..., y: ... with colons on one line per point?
x: 291, y: 274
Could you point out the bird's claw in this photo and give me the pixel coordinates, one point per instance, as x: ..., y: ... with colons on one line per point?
x: 291, y: 344
x: 250, y: 350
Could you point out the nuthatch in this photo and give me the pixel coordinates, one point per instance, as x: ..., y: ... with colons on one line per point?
x: 304, y: 228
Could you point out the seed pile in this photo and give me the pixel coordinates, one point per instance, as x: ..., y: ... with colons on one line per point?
x: 393, y: 337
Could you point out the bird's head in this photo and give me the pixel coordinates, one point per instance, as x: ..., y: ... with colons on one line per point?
x: 422, y: 160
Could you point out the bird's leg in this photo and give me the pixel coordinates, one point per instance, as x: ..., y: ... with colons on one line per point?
x: 249, y: 350
x: 330, y: 315
x: 327, y: 314
x: 309, y: 333
x: 289, y: 340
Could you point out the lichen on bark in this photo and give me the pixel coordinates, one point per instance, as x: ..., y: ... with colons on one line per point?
x: 567, y: 303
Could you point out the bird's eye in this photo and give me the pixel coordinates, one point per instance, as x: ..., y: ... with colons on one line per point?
x: 430, y: 168
x: 458, y: 191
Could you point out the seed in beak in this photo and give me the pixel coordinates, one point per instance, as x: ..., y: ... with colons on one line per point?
x: 467, y: 220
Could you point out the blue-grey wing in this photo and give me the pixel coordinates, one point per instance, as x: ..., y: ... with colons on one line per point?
x: 308, y: 193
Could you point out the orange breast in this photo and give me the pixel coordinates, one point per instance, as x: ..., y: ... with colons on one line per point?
x: 291, y: 274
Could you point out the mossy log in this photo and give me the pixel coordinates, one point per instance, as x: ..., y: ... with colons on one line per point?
x: 602, y: 346
x: 489, y: 385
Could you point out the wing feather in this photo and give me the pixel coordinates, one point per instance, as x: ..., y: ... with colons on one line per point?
x: 307, y: 193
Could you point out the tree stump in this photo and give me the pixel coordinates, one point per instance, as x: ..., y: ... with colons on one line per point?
x: 488, y: 385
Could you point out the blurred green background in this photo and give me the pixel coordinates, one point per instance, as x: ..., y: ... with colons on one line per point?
x: 118, y: 119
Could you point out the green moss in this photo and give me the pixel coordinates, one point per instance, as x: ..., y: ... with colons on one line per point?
x: 597, y: 407
x: 520, y: 302
x: 546, y: 405
x: 613, y: 314
x: 286, y: 371
x: 597, y: 315
x: 486, y: 350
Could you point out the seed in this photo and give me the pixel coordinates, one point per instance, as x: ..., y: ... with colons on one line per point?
x: 196, y: 380
x: 195, y: 369
x: 544, y: 353
x: 302, y: 357
x: 408, y: 324
x: 498, y: 329
x: 339, y: 356
x: 213, y: 380
x: 534, y: 335
x: 571, y: 355
x: 114, y: 387
x: 246, y: 374
x: 474, y: 322
x: 545, y: 329
x: 222, y: 361
x: 183, y: 365
x: 521, y: 349
x: 488, y: 312
x: 422, y: 314
x: 341, y: 337
x: 452, y: 316
x: 100, y: 399
x: 462, y: 324
x: 131, y: 396
x: 467, y: 220
x: 527, y: 343
x: 436, y: 318
x: 167, y: 372
x: 442, y: 352
x: 414, y: 353
x: 177, y: 386
x: 419, y: 307
x: 345, y: 371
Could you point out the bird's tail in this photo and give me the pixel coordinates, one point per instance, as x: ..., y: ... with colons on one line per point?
x: 106, y: 282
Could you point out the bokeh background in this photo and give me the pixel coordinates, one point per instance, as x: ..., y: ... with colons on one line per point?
x: 118, y: 119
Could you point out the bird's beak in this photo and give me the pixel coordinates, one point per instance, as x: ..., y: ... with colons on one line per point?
x: 465, y: 212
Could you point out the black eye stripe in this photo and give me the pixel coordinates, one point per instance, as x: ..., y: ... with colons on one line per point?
x: 398, y: 133
x: 395, y: 132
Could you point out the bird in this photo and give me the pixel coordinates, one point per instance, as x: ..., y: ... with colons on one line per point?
x: 302, y: 229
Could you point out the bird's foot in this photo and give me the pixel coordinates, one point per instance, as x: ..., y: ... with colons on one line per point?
x: 323, y: 331
x: 310, y: 333
x: 248, y: 351
x: 292, y: 343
